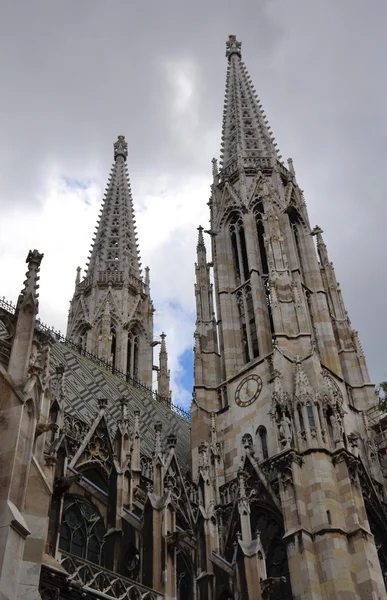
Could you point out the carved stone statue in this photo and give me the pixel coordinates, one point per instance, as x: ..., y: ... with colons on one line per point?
x: 337, y: 428
x: 285, y: 431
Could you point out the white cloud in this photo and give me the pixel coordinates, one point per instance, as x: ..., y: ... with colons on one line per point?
x: 62, y: 229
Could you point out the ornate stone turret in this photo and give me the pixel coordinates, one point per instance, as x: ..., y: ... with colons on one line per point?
x: 111, y: 313
x: 26, y: 310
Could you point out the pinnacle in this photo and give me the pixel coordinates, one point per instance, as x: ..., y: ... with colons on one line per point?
x: 31, y: 285
x: 163, y: 347
x: 200, y: 237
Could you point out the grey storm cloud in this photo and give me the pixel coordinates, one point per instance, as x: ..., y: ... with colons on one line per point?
x: 75, y: 74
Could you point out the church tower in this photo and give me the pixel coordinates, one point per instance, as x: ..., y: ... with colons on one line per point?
x: 279, y: 414
x: 111, y: 313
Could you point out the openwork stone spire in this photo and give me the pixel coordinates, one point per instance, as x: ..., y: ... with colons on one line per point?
x: 111, y: 313
x: 115, y: 246
x: 246, y: 134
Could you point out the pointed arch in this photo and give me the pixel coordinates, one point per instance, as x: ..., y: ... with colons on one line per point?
x: 259, y: 213
x: 238, y: 246
x: 298, y: 229
x: 133, y: 352
x: 261, y: 443
x: 185, y: 576
x: 82, y: 530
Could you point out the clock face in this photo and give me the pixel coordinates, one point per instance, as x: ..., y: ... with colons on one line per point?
x: 248, y: 390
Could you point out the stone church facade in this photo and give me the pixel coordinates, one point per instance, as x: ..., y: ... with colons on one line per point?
x: 272, y: 487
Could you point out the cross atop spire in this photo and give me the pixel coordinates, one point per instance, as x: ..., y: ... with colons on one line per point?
x: 246, y: 134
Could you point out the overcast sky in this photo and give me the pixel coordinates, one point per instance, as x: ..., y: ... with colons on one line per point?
x: 76, y: 73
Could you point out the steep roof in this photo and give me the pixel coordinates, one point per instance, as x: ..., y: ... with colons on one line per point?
x: 85, y: 382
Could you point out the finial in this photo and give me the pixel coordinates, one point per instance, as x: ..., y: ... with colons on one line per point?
x: 31, y: 285
x: 291, y: 166
x: 120, y: 147
x: 78, y: 276
x: 233, y: 47
x: 317, y: 231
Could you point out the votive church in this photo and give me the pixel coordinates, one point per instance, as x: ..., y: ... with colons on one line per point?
x: 272, y: 487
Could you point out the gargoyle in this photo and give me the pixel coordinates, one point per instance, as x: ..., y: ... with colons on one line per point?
x: 178, y: 536
x: 62, y: 484
x: 43, y: 427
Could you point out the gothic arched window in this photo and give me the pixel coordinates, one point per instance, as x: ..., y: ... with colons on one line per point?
x: 300, y: 418
x: 82, y: 531
x: 262, y: 442
x: 113, y: 346
x: 258, y: 213
x: 238, y: 244
x: 296, y: 227
x: 248, y: 328
x: 133, y: 353
x: 309, y: 412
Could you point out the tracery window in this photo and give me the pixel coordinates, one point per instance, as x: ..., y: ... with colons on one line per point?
x: 296, y: 227
x: 82, y: 531
x: 309, y: 412
x: 262, y: 442
x: 248, y: 328
x: 259, y: 213
x: 300, y: 418
x: 238, y: 243
x: 133, y: 353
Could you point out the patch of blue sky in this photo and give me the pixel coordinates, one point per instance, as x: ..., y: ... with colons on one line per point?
x: 186, y: 361
x: 76, y: 184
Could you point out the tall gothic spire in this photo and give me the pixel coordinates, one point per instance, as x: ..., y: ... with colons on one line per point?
x: 115, y: 246
x: 111, y: 313
x: 245, y: 134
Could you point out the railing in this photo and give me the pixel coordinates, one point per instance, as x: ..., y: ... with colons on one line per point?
x: 248, y: 162
x: 100, y: 580
x: 8, y: 306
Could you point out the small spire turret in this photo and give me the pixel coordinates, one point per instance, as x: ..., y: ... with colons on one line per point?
x: 26, y: 310
x: 163, y: 373
x: 112, y: 291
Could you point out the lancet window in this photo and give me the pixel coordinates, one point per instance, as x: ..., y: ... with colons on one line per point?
x: 238, y: 243
x: 248, y: 328
x: 309, y: 412
x: 133, y: 353
x: 113, y: 347
x: 300, y: 418
x: 259, y: 213
x: 82, y: 531
x: 296, y: 227
x: 261, y: 442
